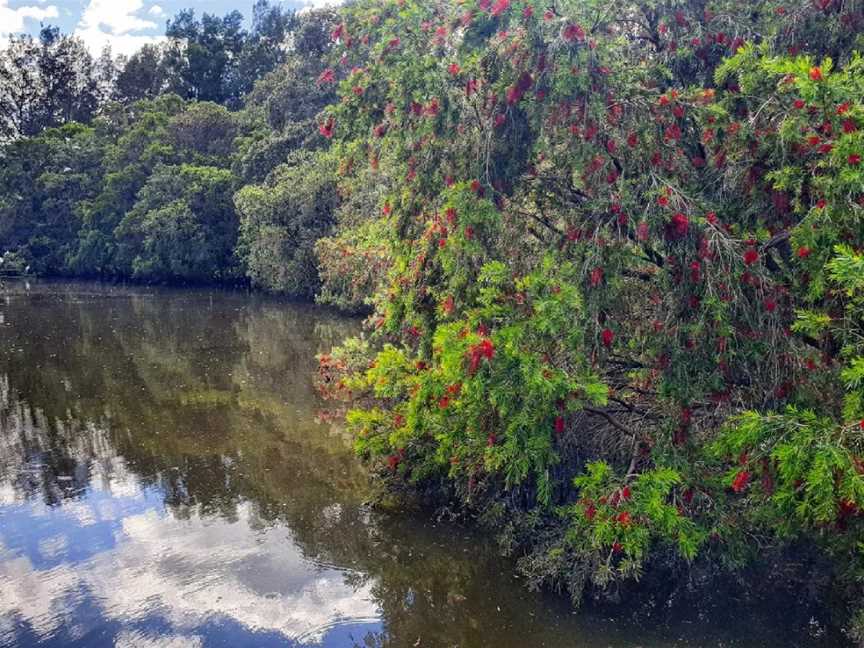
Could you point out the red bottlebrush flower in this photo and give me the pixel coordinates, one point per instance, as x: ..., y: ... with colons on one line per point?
x: 477, y: 188
x: 484, y: 349
x: 380, y: 130
x: 625, y: 493
x: 327, y: 76
x: 821, y: 203
x: 590, y: 512
x: 454, y: 69
x: 617, y: 548
x: 444, y: 402
x: 849, y: 126
x: 500, y: 120
x: 357, y: 90
x: 608, y: 337
x: 854, y: 159
x: 611, y: 146
x: 500, y: 7
x: 326, y: 129
x: 711, y: 217
x: 804, y: 252
x: 632, y: 140
x: 751, y: 256
x: 518, y: 90
x: 843, y: 108
x: 450, y: 214
x: 559, y: 425
x: 573, y: 32
x: 826, y: 148
x: 394, y: 43
x: 770, y: 305
x: 386, y: 209
x: 393, y: 462
x: 624, y: 518
x: 469, y: 232
x: 678, y: 111
x: 695, y: 272
x: 596, y: 277
x: 338, y: 32
x: 447, y: 305
x: 528, y: 11
x: 491, y: 440
x: 800, y: 104
x: 815, y: 74
x: 672, y: 133
x: 398, y: 420
x: 663, y: 201
x: 679, y: 226
x: 741, y: 480
x: 642, y: 231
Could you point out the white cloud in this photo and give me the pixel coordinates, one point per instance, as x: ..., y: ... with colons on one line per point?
x: 12, y: 20
x: 189, y: 571
x: 115, y: 23
x: 156, y: 10
x: 308, y: 5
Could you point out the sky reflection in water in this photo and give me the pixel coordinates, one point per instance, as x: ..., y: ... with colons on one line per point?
x: 165, y: 480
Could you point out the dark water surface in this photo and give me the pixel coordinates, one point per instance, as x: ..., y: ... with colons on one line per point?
x: 167, y: 480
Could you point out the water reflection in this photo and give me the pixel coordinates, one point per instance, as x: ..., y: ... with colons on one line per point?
x: 164, y: 482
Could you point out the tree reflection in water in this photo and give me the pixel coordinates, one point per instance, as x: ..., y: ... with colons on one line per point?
x: 162, y: 475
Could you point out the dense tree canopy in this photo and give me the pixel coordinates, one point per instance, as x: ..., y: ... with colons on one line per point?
x: 622, y: 321
x: 128, y: 168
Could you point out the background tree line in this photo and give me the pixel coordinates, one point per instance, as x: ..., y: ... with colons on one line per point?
x: 197, y: 159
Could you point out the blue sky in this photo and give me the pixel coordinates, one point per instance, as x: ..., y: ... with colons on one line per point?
x: 125, y: 25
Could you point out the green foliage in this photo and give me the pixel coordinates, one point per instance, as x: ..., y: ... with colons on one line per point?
x: 281, y: 220
x: 621, y: 241
x: 182, y: 227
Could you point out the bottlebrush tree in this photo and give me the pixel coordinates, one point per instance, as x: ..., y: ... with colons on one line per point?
x: 623, y: 304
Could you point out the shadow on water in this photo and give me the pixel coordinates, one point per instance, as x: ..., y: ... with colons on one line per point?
x: 165, y: 480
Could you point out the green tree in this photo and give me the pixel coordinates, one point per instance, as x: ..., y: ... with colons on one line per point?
x: 613, y: 229
x: 280, y: 221
x: 183, y: 226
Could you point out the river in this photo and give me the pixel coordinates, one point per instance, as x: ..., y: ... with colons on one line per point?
x: 169, y: 478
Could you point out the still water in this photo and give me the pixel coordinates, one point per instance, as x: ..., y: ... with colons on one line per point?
x: 168, y: 478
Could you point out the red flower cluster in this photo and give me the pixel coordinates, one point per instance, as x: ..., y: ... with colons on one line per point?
x: 679, y: 226
x: 500, y: 7
x: 327, y: 76
x: 573, y: 32
x: 608, y: 337
x: 518, y: 89
x: 751, y: 256
x: 559, y: 425
x: 326, y: 129
x: 741, y: 480
x: 484, y: 349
